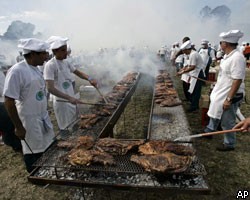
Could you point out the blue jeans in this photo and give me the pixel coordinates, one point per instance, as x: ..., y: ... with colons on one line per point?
x: 227, y: 121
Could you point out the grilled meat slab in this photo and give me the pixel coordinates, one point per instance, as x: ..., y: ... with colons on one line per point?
x: 163, y: 163
x: 116, y: 146
x: 84, y: 142
x: 87, y: 157
x: 162, y: 146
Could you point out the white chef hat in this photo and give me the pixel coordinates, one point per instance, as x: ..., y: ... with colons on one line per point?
x: 57, y: 41
x: 204, y: 41
x: 186, y: 45
x: 231, y: 36
x: 32, y: 44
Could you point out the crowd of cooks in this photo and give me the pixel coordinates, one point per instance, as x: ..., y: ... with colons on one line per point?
x: 24, y: 118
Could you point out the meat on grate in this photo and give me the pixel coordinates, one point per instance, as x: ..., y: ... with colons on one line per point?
x: 163, y: 163
x: 117, y: 146
x: 88, y: 157
x: 162, y: 146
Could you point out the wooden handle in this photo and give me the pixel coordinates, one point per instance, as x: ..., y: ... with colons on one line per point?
x: 211, y: 82
x: 220, y: 132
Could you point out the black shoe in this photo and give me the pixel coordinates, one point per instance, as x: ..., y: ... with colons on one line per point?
x: 223, y: 147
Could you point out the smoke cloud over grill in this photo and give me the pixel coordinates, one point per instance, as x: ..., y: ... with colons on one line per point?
x: 111, y: 24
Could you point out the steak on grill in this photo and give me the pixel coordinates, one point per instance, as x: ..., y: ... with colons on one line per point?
x: 163, y: 163
x: 88, y: 157
x: 84, y: 142
x: 117, y: 146
x: 162, y: 146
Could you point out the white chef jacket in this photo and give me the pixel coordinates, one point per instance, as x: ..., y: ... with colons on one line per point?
x: 26, y: 85
x: 232, y: 66
x: 60, y: 71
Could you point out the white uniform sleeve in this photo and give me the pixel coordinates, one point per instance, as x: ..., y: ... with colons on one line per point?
x: 238, y: 68
x: 13, y: 84
x: 50, y: 71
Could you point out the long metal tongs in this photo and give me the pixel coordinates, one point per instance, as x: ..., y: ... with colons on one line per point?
x: 28, y: 146
x: 106, y: 101
x: 87, y: 103
x: 207, y: 134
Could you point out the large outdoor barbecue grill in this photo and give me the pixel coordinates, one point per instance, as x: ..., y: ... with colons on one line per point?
x: 162, y: 124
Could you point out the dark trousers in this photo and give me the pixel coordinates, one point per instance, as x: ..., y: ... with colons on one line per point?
x: 207, y: 72
x: 30, y: 159
x: 8, y: 129
x: 185, y: 86
x: 195, y: 96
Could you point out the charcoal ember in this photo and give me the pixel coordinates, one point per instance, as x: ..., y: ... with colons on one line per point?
x: 88, y: 157
x: 162, y: 146
x: 117, y: 146
x: 163, y: 163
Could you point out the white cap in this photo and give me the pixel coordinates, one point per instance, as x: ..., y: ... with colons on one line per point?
x: 176, y: 43
x: 186, y: 45
x: 57, y: 42
x: 32, y: 44
x: 231, y: 36
x: 204, y: 41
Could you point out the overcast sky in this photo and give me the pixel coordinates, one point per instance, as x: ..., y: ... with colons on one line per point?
x: 92, y: 24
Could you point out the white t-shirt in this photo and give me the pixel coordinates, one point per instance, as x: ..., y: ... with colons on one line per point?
x: 196, y: 60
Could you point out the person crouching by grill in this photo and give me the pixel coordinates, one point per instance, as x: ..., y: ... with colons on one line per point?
x: 194, y: 70
x: 26, y: 102
x: 58, y: 76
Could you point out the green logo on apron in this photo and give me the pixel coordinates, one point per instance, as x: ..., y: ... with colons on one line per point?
x: 39, y: 96
x: 66, y: 85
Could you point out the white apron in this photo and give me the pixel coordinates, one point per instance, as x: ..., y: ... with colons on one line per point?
x: 65, y: 112
x: 193, y: 81
x: 34, y: 115
x: 185, y: 77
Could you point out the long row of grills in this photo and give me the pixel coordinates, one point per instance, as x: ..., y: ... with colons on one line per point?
x: 88, y: 157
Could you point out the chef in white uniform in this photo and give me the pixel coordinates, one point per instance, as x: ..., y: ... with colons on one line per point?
x: 26, y: 102
x: 58, y: 76
x: 208, y: 56
x: 229, y: 89
x: 193, y: 69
